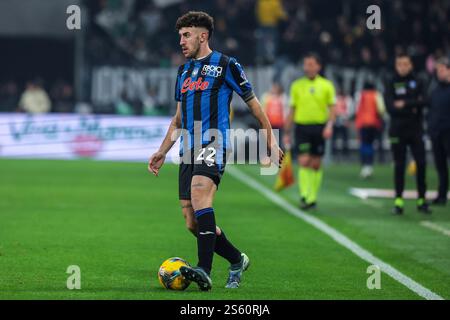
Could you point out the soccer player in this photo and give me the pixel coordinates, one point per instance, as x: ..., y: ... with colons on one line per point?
x: 313, y: 112
x: 203, y: 92
x: 439, y: 127
x: 405, y: 100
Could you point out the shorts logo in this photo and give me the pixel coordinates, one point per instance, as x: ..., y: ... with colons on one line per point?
x: 212, y: 71
x: 304, y: 147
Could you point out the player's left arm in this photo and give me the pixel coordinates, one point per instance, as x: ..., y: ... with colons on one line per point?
x: 236, y: 79
x: 276, y: 153
x: 328, y: 130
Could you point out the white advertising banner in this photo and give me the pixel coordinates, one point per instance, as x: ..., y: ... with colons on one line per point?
x: 70, y: 136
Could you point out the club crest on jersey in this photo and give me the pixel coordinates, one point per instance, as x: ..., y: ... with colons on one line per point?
x: 212, y: 71
x: 244, y: 78
x: 189, y: 85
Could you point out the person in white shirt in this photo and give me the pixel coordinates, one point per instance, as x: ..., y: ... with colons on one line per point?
x: 34, y: 99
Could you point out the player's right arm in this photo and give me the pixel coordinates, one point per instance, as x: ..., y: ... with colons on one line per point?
x: 157, y: 159
x: 289, y: 122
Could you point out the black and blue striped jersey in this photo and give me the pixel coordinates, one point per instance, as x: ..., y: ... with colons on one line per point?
x: 205, y: 89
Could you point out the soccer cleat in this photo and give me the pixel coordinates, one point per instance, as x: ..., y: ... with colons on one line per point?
x: 423, y: 206
x: 308, y: 206
x: 397, y: 210
x: 198, y: 275
x: 398, y: 206
x: 302, y: 201
x: 366, y: 172
x: 439, y: 202
x: 234, y: 277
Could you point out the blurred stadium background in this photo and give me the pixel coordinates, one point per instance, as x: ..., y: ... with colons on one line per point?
x: 105, y: 92
x: 123, y: 59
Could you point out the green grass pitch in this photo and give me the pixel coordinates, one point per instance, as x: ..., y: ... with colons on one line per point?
x: 118, y: 223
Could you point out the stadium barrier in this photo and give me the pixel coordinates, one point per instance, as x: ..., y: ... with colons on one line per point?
x: 71, y: 136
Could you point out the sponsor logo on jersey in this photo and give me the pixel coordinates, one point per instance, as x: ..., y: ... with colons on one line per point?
x: 211, y: 71
x: 189, y: 85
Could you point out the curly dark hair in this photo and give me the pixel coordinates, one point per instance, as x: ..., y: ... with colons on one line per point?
x: 196, y: 19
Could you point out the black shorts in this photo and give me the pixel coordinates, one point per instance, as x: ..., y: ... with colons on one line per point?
x: 204, y: 166
x: 309, y: 139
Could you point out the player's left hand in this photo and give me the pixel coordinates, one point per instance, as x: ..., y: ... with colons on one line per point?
x: 277, y: 155
x: 327, y: 132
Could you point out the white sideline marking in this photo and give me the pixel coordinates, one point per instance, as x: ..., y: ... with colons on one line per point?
x: 435, y: 227
x: 336, y: 236
x: 366, y: 193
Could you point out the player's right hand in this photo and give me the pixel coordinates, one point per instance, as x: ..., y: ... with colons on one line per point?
x: 156, y: 161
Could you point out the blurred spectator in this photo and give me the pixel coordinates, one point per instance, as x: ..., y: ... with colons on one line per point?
x: 34, y: 99
x: 369, y: 111
x: 150, y: 18
x: 344, y: 110
x: 269, y: 13
x: 150, y: 103
x: 62, y: 97
x: 142, y: 31
x: 439, y: 127
x: 124, y: 105
x: 275, y: 105
x: 9, y: 97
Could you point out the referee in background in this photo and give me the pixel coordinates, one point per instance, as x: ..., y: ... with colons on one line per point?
x: 439, y: 126
x: 405, y: 101
x: 312, y: 100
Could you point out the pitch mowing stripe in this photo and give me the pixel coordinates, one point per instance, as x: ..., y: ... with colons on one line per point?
x: 336, y: 236
x: 435, y: 227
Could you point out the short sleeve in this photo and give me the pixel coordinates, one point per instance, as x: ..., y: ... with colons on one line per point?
x: 235, y: 77
x: 331, y: 95
x: 177, y: 85
x: 292, y: 96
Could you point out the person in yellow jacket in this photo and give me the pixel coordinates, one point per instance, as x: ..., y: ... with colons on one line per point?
x: 312, y: 100
x: 268, y: 15
x: 270, y: 12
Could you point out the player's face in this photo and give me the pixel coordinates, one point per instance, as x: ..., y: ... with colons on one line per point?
x: 403, y: 66
x: 442, y: 72
x: 311, y: 67
x: 190, y: 40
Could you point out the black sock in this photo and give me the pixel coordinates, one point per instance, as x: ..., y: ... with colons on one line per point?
x: 206, y: 237
x: 225, y: 249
